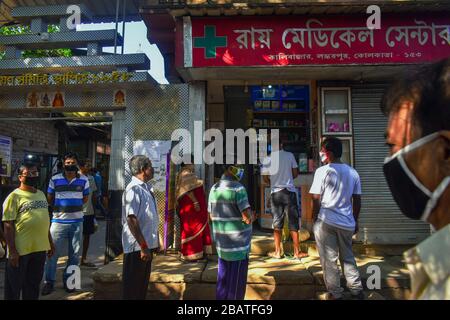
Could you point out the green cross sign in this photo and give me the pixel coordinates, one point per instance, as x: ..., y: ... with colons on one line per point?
x: 210, y: 42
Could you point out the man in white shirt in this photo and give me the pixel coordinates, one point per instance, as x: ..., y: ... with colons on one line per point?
x: 336, y: 192
x: 279, y: 170
x: 140, y: 229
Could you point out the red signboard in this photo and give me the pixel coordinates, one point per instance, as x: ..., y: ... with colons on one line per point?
x: 309, y: 40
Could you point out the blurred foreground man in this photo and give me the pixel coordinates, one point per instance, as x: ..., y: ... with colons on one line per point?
x: 418, y: 170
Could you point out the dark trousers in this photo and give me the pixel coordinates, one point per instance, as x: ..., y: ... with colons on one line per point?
x: 285, y: 202
x: 135, y: 276
x: 26, y: 278
x: 231, y: 279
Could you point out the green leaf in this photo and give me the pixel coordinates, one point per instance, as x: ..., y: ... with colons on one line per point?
x: 18, y: 29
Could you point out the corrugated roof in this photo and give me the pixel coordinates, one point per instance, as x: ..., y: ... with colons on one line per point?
x: 275, y: 7
x: 103, y: 10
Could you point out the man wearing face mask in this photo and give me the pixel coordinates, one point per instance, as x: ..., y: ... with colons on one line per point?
x: 279, y: 170
x: 140, y: 237
x: 67, y: 193
x: 231, y: 223
x: 418, y: 170
x: 26, y: 220
x: 336, y: 192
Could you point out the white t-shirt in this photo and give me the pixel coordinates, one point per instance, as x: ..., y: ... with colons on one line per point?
x: 280, y: 171
x: 138, y: 200
x: 336, y: 183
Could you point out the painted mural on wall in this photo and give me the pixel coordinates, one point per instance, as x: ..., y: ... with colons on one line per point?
x: 119, y: 98
x: 45, y: 99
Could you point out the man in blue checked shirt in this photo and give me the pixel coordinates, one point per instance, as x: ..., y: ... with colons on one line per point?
x: 66, y: 194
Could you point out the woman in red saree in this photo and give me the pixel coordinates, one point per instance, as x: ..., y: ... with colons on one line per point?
x: 192, y: 209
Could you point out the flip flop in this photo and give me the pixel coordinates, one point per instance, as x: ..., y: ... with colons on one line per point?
x: 274, y: 256
x: 298, y: 257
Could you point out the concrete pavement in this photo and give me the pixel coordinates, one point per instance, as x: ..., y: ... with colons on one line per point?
x: 267, y: 278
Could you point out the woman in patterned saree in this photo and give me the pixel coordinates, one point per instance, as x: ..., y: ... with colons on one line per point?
x: 192, y: 209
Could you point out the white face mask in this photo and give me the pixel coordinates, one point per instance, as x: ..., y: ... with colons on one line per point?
x: 323, y: 156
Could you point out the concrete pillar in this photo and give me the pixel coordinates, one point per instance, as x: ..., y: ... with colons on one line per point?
x: 197, y: 112
x: 116, y: 186
x: 117, y: 159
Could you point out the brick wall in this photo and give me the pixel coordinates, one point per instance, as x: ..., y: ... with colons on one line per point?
x: 30, y: 136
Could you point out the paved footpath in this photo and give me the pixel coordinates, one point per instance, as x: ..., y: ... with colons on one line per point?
x: 95, y: 255
x: 268, y: 279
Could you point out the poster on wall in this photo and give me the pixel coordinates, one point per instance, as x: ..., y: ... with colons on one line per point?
x: 45, y: 99
x: 5, y: 156
x: 156, y: 151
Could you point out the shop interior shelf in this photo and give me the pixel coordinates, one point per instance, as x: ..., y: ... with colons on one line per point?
x: 280, y: 127
x: 262, y: 111
x: 337, y: 111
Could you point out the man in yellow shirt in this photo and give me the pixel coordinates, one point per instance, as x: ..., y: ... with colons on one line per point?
x: 27, y: 224
x: 418, y: 170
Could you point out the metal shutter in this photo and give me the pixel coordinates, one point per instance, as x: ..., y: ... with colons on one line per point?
x: 381, y: 221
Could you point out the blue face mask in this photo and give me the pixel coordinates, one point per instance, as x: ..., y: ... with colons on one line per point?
x: 238, y: 173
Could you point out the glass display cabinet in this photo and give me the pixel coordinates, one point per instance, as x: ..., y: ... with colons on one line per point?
x: 336, y: 111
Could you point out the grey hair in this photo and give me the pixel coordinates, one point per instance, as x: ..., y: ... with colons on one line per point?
x: 138, y: 164
x: 24, y: 166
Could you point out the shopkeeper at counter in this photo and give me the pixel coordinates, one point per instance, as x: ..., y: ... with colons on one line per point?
x: 279, y: 170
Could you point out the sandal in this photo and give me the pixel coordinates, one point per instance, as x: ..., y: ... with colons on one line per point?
x: 88, y: 264
x: 298, y: 257
x: 273, y: 255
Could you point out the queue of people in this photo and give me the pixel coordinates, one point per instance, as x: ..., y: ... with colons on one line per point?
x: 417, y: 172
x: 35, y: 240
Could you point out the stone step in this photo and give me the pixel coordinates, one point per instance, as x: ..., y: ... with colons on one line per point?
x: 262, y: 243
x: 267, y: 279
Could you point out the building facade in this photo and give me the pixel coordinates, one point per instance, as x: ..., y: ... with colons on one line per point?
x: 311, y: 70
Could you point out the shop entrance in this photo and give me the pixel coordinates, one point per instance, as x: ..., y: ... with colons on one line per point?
x: 43, y: 138
x: 282, y: 107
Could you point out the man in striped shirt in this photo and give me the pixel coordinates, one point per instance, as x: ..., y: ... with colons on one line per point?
x: 231, y: 219
x: 66, y: 194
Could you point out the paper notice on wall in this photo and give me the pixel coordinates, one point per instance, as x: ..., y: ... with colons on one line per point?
x: 156, y: 151
x: 5, y: 156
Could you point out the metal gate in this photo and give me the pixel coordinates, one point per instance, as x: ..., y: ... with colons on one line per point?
x: 381, y: 221
x: 150, y: 115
